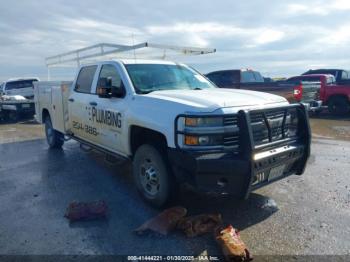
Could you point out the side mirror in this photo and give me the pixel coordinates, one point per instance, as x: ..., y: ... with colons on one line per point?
x: 103, y: 92
x: 118, y: 92
x: 104, y: 87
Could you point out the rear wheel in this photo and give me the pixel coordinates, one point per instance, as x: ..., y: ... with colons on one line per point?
x: 152, y: 177
x: 338, y: 106
x: 54, y: 138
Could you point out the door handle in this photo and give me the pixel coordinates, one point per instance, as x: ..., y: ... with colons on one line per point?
x: 71, y: 99
x: 93, y: 104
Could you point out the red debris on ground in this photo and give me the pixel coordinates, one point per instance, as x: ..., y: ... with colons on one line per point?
x: 232, y: 246
x: 200, y: 224
x: 86, y: 210
x: 164, y: 222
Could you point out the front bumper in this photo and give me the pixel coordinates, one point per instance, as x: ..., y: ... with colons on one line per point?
x: 20, y: 108
x: 239, y: 173
x: 314, y: 106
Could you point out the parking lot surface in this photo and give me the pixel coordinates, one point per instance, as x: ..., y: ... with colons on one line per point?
x: 306, y: 214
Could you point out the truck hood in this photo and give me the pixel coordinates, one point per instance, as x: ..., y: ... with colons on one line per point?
x: 215, y: 98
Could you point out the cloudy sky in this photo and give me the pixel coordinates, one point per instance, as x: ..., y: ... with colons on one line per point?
x: 276, y: 37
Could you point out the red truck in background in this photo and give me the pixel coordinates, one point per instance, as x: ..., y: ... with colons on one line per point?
x: 294, y: 91
x: 333, y: 94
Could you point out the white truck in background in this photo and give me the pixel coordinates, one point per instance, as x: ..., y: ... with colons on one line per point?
x: 17, y: 97
x: 176, y: 127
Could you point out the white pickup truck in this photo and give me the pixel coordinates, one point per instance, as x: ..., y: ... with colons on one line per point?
x: 177, y: 127
x: 16, y: 97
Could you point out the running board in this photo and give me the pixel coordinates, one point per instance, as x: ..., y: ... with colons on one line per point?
x: 109, y: 154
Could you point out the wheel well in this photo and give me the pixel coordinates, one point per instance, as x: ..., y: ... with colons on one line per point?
x: 337, y: 96
x: 141, y: 135
x: 44, y: 114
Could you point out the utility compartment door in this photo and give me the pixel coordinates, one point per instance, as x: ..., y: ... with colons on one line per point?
x: 60, y: 94
x: 57, y: 109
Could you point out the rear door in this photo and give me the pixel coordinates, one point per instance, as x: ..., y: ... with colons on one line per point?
x: 79, y: 107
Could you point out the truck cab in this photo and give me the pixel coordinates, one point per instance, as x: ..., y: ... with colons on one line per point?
x: 248, y: 79
x: 177, y: 127
x: 341, y: 76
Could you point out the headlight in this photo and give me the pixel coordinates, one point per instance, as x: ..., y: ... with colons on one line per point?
x: 203, y: 121
x: 207, y: 132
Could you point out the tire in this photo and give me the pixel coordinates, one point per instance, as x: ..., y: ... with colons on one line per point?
x: 152, y: 176
x: 338, y: 106
x: 54, y: 138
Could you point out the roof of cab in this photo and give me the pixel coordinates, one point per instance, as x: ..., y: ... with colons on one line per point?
x: 131, y: 62
x: 22, y: 79
x: 146, y: 61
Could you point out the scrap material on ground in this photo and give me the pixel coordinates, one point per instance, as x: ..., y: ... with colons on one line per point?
x: 86, y: 210
x: 164, y: 222
x: 198, y: 225
x: 232, y: 246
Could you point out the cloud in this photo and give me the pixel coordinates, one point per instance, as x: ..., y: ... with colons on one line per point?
x: 318, y: 7
x: 203, y: 33
x: 278, y: 38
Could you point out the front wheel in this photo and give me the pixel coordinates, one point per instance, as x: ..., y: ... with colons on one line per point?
x: 152, y: 176
x: 54, y: 138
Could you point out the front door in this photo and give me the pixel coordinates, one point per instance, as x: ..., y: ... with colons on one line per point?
x: 108, y: 113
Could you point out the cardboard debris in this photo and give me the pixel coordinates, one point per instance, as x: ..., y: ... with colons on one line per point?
x: 86, y: 210
x: 232, y: 246
x: 200, y: 224
x: 164, y: 222
x: 228, y: 238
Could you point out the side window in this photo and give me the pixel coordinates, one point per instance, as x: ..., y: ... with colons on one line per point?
x: 344, y: 75
x: 85, y: 78
x: 229, y: 77
x: 109, y: 72
x: 330, y: 80
x: 213, y: 78
x: 224, y: 78
x: 247, y: 77
x: 258, y: 77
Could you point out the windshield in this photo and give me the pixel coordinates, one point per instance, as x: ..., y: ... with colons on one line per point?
x: 147, y: 78
x: 19, y: 84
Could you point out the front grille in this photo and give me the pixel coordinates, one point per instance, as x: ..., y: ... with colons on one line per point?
x: 231, y: 140
x: 281, y: 123
x: 230, y: 120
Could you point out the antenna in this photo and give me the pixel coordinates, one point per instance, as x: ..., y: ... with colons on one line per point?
x: 133, y: 43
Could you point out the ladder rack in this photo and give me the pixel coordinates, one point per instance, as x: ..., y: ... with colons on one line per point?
x: 104, y: 49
